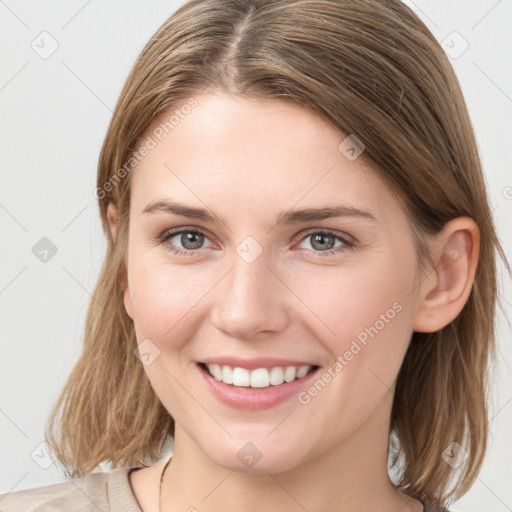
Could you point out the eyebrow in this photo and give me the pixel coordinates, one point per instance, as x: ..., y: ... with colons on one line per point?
x: 285, y: 217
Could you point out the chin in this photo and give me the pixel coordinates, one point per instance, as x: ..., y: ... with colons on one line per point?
x: 259, y: 457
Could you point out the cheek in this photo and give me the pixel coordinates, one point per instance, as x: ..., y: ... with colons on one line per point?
x: 339, y: 304
x: 368, y: 304
x: 370, y: 313
x: 164, y: 299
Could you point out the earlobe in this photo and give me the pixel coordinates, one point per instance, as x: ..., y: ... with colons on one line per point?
x: 445, y: 291
x: 128, y: 302
x: 113, y: 220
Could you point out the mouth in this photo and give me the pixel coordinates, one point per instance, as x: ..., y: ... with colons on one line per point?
x: 261, y: 378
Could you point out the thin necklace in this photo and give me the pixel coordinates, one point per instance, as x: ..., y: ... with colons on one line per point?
x: 161, y: 481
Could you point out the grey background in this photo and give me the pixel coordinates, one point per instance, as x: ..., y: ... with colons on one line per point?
x: 55, y: 112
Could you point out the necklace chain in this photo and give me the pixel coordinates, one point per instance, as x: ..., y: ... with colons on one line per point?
x: 161, y: 482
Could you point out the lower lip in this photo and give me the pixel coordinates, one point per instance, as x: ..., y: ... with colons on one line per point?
x: 254, y: 398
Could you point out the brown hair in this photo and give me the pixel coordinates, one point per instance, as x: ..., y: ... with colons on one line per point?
x: 369, y: 68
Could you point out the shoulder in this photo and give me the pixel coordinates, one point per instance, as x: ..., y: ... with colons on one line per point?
x: 105, y: 491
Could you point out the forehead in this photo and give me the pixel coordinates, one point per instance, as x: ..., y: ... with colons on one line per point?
x: 237, y: 154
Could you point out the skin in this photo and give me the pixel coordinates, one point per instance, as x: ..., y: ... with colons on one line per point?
x: 248, y: 160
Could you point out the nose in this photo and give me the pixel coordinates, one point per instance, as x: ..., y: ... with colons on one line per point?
x: 251, y: 300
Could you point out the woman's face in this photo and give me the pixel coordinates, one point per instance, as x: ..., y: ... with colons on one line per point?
x: 267, y: 287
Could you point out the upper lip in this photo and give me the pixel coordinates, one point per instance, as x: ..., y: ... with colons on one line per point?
x: 257, y: 362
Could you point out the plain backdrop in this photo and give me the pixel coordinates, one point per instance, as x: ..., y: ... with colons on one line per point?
x: 62, y: 66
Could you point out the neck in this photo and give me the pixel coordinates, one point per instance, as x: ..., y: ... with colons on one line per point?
x: 351, y: 476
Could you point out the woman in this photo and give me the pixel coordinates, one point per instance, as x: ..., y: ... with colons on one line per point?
x: 300, y: 280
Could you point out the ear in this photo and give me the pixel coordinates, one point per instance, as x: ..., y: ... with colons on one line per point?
x: 113, y: 221
x: 445, y: 291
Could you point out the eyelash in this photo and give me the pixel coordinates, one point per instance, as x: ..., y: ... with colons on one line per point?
x: 167, y: 235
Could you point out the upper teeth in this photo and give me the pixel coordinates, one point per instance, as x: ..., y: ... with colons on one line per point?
x: 259, y: 378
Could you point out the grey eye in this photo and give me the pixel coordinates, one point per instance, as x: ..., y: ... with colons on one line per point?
x: 191, y: 240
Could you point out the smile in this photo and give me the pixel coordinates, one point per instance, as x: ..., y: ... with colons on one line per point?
x: 259, y: 377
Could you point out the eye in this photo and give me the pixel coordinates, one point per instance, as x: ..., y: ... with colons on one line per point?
x: 190, y: 239
x: 324, y: 241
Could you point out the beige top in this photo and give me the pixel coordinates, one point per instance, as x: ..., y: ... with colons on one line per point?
x: 105, y: 491
x: 99, y: 491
